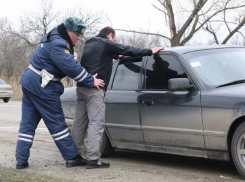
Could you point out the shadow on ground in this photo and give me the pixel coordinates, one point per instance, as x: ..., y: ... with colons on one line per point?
x: 178, y: 162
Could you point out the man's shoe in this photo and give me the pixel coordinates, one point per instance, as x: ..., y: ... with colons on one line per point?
x: 22, y: 165
x: 91, y: 164
x: 76, y: 162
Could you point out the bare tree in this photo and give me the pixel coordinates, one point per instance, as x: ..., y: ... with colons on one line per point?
x: 185, y: 18
x: 20, y: 42
x: 139, y: 40
x: 13, y: 53
x: 35, y: 24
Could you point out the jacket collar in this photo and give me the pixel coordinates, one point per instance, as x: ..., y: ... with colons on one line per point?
x: 63, y: 33
x: 102, y: 36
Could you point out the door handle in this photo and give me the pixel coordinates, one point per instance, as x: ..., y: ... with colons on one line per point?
x: 148, y: 102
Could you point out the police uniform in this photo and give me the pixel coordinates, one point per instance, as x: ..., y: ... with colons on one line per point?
x: 41, y: 98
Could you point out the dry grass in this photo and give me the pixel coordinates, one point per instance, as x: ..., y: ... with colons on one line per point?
x: 12, y: 175
x: 14, y: 82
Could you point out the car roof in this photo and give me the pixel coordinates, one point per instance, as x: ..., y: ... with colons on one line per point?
x: 185, y: 49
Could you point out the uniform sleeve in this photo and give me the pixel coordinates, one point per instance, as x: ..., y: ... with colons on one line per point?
x: 65, y: 61
x: 119, y: 49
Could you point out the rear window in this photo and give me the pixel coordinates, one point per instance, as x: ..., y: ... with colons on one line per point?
x: 2, y: 82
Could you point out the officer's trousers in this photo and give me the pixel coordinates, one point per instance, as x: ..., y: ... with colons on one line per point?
x: 33, y: 109
x: 90, y: 117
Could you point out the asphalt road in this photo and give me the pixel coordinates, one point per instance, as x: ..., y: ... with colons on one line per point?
x: 125, y: 165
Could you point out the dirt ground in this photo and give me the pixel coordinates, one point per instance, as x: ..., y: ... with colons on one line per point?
x: 46, y: 163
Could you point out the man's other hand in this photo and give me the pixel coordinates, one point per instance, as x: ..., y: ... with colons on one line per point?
x: 98, y: 82
x: 157, y: 49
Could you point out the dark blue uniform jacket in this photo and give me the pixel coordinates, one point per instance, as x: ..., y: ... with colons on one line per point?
x: 53, y: 55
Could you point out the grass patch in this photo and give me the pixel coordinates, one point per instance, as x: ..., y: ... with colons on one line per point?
x: 12, y: 175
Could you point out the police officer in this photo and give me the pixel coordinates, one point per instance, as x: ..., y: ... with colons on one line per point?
x: 52, y: 60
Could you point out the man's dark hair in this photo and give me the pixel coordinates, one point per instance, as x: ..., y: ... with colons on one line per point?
x: 107, y: 30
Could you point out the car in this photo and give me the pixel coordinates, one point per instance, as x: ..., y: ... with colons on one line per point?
x: 185, y: 100
x: 6, y: 91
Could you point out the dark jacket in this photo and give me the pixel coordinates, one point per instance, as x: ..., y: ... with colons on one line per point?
x: 54, y: 55
x: 98, y: 53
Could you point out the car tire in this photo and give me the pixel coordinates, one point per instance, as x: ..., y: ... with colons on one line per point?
x: 106, y: 148
x: 238, y: 149
x: 6, y: 100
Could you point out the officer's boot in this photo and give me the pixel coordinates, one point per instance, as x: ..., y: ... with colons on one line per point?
x: 22, y: 165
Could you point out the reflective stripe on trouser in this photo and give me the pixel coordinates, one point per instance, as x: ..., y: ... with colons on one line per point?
x: 33, y: 109
x: 90, y: 116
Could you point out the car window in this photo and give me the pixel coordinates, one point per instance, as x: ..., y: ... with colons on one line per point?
x: 161, y: 68
x: 2, y: 82
x: 127, y: 75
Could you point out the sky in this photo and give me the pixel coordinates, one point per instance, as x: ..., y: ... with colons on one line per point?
x: 136, y: 14
x: 123, y: 14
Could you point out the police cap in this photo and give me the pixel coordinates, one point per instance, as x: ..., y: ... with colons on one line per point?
x: 75, y: 25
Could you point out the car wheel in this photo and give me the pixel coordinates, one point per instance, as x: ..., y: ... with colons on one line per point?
x: 106, y: 148
x: 69, y: 128
x: 6, y: 100
x: 238, y: 149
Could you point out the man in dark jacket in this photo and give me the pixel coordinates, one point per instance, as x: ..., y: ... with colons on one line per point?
x: 98, y: 53
x: 52, y: 60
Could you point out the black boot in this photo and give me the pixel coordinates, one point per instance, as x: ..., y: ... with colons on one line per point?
x: 76, y: 161
x: 22, y: 165
x: 91, y: 164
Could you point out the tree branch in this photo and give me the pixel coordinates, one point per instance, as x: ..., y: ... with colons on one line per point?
x: 198, y: 7
x: 234, y: 31
x: 24, y: 38
x: 159, y: 9
x: 225, y: 17
x: 205, y: 21
x: 133, y: 31
x: 183, y: 42
x: 215, y: 13
x: 241, y: 34
x: 171, y: 18
x: 214, y: 34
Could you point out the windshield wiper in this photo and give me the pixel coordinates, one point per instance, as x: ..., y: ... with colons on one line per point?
x: 231, y: 83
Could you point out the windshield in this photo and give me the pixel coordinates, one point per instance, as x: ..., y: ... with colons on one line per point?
x: 218, y: 66
x: 2, y: 82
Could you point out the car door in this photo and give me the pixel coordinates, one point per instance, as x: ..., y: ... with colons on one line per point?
x: 169, y: 118
x: 122, y: 111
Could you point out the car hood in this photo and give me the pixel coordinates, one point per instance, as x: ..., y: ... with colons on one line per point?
x: 5, y: 86
x: 232, y: 96
x: 69, y: 95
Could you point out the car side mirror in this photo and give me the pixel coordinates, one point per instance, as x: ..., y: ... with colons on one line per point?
x: 179, y: 84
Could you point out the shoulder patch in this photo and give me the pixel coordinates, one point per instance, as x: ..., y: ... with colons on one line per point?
x: 67, y: 51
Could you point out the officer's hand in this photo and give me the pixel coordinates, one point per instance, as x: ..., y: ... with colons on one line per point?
x: 157, y: 49
x: 98, y: 82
